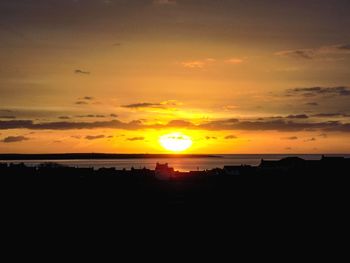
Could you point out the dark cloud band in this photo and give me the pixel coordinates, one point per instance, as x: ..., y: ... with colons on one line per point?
x: 231, y: 124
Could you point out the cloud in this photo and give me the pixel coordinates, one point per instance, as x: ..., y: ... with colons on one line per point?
x: 328, y: 115
x: 310, y: 140
x: 142, y: 105
x: 13, y: 139
x: 220, y: 124
x: 203, y: 63
x: 7, y: 117
x: 164, y: 2
x: 81, y: 103
x: 234, y: 61
x: 113, y: 115
x: 299, y: 116
x: 84, y: 100
x: 318, y: 52
x: 15, y: 124
x: 198, y: 64
x: 91, y: 116
x: 136, y: 139
x: 210, y: 138
x: 230, y: 107
x: 79, y: 71
x: 339, y: 48
x: 319, y: 91
x: 94, y: 137
x: 344, y: 47
x: 282, y: 125
x: 180, y: 123
x: 169, y: 104
x: 290, y: 138
x: 275, y: 125
x: 298, y: 53
x: 312, y: 104
x: 64, y: 117
x: 65, y: 125
x: 231, y: 137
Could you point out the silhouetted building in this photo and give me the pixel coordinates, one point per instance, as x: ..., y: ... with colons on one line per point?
x: 238, y: 170
x: 164, y: 172
x: 333, y: 160
x: 285, y: 163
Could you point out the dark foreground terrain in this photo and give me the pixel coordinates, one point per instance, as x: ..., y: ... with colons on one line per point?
x: 278, y: 199
x: 288, y: 182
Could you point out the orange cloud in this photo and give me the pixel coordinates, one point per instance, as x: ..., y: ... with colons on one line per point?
x: 234, y: 61
x: 198, y: 64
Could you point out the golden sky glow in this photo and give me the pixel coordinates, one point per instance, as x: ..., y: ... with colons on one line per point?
x: 233, y: 76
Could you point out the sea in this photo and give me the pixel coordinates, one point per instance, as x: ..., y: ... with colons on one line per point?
x: 180, y: 164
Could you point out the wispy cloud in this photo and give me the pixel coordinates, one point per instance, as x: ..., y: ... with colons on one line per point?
x: 91, y: 116
x: 94, y: 137
x: 13, y: 139
x: 161, y: 105
x: 84, y: 100
x: 81, y: 102
x: 310, y: 140
x: 142, y: 105
x: 7, y: 117
x: 319, y: 91
x: 299, y: 116
x: 231, y: 137
x: 292, y: 138
x: 204, y: 63
x: 318, y: 52
x: 79, y: 71
x: 330, y: 114
x: 234, y: 61
x: 64, y: 117
x: 298, y: 53
x: 198, y: 64
x: 136, y: 139
x: 164, y: 2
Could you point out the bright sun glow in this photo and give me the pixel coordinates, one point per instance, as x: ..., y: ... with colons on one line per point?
x: 176, y: 142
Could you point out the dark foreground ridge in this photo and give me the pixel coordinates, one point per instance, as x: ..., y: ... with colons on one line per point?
x: 290, y: 181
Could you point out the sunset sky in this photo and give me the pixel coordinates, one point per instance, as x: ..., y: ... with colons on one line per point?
x: 114, y: 76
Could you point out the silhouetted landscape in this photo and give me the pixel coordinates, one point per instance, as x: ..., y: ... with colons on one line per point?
x: 290, y: 180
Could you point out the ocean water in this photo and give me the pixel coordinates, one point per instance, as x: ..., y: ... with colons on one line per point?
x: 180, y: 164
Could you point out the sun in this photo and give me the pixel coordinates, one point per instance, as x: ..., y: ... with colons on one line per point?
x: 176, y: 142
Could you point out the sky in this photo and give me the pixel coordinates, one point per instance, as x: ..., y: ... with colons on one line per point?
x: 234, y: 76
